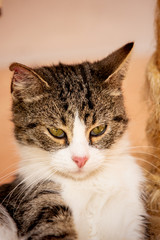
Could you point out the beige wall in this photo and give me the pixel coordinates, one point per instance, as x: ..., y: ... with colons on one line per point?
x: 38, y: 31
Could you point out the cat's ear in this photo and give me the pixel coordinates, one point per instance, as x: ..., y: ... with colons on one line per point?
x: 115, y: 65
x: 26, y: 83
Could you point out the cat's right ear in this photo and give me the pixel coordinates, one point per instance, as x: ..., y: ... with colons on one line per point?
x: 26, y: 83
x: 114, y: 66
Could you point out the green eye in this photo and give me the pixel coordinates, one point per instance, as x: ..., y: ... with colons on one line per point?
x: 98, y: 131
x: 57, y: 132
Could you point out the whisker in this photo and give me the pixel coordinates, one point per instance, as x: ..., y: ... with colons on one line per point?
x: 26, y: 190
x: 12, y: 191
x: 149, y: 173
x: 149, y: 154
x: 8, y: 175
x: 29, y: 187
x: 12, y: 173
x: 143, y: 160
x: 10, y: 166
x: 138, y: 146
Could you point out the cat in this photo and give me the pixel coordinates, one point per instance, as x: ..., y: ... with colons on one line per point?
x: 76, y: 178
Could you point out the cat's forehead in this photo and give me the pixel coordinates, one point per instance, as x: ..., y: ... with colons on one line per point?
x: 74, y: 90
x: 70, y: 81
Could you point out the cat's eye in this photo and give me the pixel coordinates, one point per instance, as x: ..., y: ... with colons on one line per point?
x: 98, y: 131
x: 57, y: 132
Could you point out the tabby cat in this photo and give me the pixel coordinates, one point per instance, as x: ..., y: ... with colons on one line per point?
x: 76, y: 178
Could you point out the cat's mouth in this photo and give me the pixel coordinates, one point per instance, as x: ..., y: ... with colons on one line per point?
x: 79, y: 172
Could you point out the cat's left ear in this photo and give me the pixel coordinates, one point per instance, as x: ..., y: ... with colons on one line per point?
x: 114, y: 66
x: 26, y: 83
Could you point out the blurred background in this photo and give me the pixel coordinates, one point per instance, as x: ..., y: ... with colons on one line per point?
x: 36, y: 32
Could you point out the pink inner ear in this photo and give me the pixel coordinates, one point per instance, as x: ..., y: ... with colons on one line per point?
x: 23, y: 77
x: 18, y: 68
x: 15, y: 70
x: 20, y: 74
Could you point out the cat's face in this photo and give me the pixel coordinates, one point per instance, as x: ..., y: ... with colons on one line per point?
x: 68, y: 116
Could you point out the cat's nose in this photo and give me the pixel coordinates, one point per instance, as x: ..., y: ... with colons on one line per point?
x: 80, y: 161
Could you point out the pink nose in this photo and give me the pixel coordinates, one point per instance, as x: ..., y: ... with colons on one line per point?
x: 80, y: 161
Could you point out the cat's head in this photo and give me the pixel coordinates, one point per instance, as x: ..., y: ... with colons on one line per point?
x: 67, y: 118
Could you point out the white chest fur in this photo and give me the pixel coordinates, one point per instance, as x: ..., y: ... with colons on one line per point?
x: 108, y: 206
x: 106, y: 200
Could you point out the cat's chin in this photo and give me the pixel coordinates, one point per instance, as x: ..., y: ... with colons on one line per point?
x: 79, y: 174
